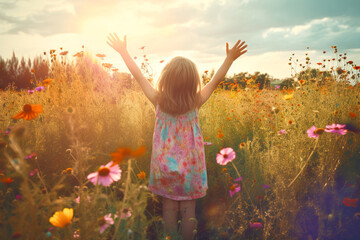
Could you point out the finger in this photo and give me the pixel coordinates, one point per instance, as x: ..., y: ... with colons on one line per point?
x: 243, y: 48
x: 241, y: 44
x: 109, y: 44
x: 243, y: 52
x: 236, y: 44
x: 112, y: 37
x: 117, y: 38
x: 227, y: 46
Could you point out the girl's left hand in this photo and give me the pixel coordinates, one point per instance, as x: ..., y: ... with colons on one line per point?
x: 116, y: 43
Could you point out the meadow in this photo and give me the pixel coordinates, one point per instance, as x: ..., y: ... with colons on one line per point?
x: 295, y: 174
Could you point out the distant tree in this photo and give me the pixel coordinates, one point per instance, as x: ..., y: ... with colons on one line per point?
x: 12, y: 68
x: 4, y: 75
x: 24, y: 75
x: 288, y: 83
x: 41, y: 68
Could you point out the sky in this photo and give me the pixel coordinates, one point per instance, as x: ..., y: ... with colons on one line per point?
x: 197, y: 29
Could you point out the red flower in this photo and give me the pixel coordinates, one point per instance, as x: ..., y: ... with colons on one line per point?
x: 7, y: 180
x: 350, y: 202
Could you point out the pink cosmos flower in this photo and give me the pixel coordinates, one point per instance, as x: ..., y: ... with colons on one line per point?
x: 281, y: 132
x: 32, y: 173
x: 256, y: 225
x: 314, y: 132
x: 105, y: 222
x: 106, y: 175
x: 126, y: 212
x: 234, y: 189
x: 238, y: 179
x: 226, y: 155
x: 336, y: 128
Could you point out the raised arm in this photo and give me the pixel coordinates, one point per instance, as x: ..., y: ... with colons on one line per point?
x: 120, y: 47
x: 231, y: 55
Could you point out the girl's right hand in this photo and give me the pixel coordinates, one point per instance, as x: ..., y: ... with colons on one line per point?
x: 236, y: 51
x: 116, y: 43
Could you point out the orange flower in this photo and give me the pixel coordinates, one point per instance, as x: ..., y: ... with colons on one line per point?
x: 161, y: 61
x: 100, y: 55
x: 32, y: 70
x: 118, y: 157
x: 290, y: 122
x: 352, y: 114
x: 79, y: 54
x: 141, y: 175
x: 138, y: 152
x: 107, y: 65
x: 335, y: 112
x: 47, y: 81
x: 29, y: 112
x: 64, y: 53
x: 241, y: 145
x: 220, y: 135
x: 7, y: 180
x: 357, y: 67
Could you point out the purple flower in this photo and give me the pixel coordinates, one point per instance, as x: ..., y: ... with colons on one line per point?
x: 256, y: 225
x: 277, y: 87
x: 314, y: 132
x: 336, y: 128
x: 266, y: 186
x: 226, y: 155
x: 39, y: 88
x: 234, y: 189
x: 31, y: 91
x: 281, y: 132
x: 18, y: 197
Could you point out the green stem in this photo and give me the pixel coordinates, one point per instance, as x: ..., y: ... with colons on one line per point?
x: 302, y: 169
x: 243, y: 184
x: 127, y: 183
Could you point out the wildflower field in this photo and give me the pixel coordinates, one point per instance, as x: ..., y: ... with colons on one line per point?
x: 282, y: 161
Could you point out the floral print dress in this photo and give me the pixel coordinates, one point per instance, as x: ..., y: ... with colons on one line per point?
x: 178, y: 168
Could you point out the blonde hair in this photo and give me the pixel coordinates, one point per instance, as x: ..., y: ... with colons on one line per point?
x: 179, y: 87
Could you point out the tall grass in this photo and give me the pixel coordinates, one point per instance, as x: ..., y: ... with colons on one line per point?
x: 292, y: 184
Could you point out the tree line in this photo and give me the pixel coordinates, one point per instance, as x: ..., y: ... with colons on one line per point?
x: 21, y: 73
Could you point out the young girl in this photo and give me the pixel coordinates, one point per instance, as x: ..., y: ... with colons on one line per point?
x: 178, y: 169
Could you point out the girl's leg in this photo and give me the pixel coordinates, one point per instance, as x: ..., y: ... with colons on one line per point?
x: 170, y: 215
x: 187, y: 210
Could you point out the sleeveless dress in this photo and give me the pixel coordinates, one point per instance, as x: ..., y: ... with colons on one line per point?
x: 178, y: 168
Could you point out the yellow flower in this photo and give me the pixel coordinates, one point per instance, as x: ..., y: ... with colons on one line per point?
x: 62, y: 218
x: 141, y: 175
x: 288, y: 97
